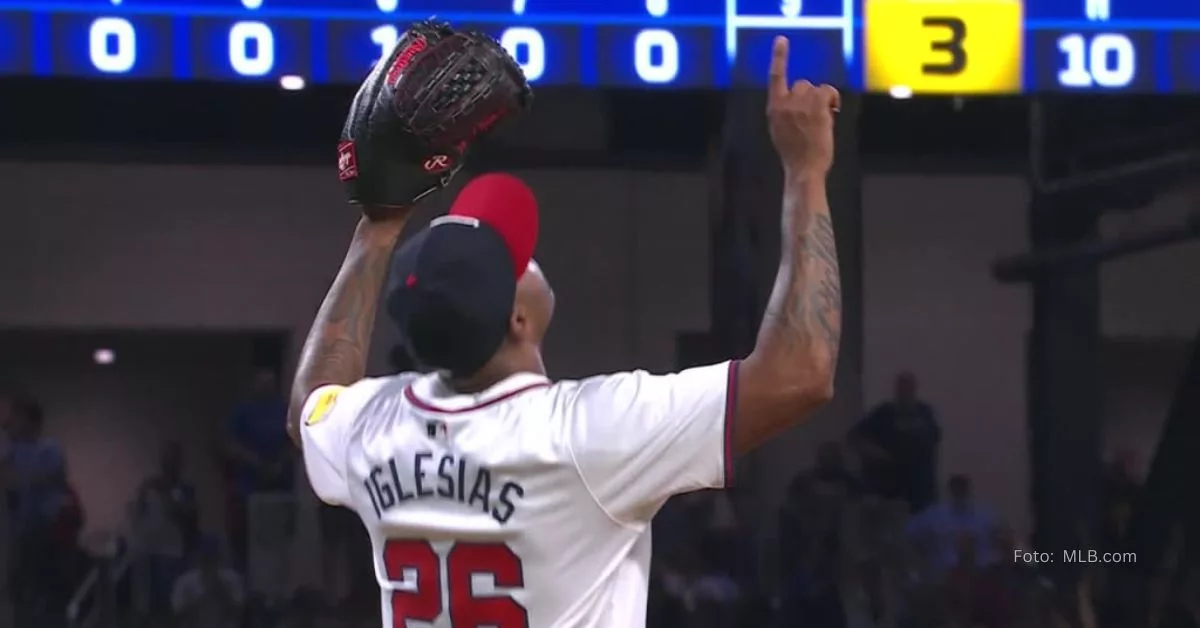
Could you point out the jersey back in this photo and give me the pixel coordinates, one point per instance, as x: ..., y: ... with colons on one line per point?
x: 525, y: 505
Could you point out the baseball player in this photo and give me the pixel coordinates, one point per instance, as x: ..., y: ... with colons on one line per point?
x: 494, y: 496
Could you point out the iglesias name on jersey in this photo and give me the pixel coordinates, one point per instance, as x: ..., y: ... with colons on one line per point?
x: 526, y: 505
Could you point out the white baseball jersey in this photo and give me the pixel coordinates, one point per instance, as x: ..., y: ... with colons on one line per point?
x: 527, y: 505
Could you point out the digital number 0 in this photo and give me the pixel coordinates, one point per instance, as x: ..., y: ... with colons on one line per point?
x: 385, y: 37
x: 951, y: 46
x: 527, y: 46
x: 251, y: 48
x: 657, y: 8
x: 646, y: 45
x: 1113, y: 60
x: 424, y: 602
x: 112, y: 45
x: 1108, y: 60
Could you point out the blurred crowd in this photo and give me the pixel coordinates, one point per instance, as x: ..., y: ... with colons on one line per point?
x: 867, y: 538
x: 164, y: 571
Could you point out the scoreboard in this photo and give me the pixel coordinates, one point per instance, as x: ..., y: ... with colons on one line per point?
x: 1009, y: 46
x: 673, y: 43
x: 922, y: 46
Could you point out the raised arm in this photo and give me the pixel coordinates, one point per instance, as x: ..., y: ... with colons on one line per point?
x: 335, y: 351
x: 790, y: 372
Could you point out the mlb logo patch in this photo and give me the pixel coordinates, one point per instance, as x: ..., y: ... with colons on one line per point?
x: 436, y: 429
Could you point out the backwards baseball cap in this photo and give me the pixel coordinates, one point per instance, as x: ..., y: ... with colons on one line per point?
x: 452, y: 285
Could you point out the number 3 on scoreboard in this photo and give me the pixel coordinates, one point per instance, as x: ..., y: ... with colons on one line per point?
x: 426, y: 603
x: 951, y: 46
x: 939, y: 47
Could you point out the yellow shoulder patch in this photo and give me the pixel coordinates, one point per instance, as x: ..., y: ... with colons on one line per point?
x: 323, y: 405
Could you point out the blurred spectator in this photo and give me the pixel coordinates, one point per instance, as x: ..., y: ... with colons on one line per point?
x: 1121, y: 489
x: 41, y: 509
x: 814, y: 509
x: 717, y: 590
x: 898, y: 442
x: 812, y: 597
x: 700, y: 592
x: 866, y: 597
x: 1018, y: 581
x: 1122, y: 593
x: 940, y: 529
x: 831, y: 476
x: 794, y: 537
x: 67, y: 519
x: 35, y: 463
x: 675, y: 575
x: 979, y: 595
x: 258, y: 452
x: 208, y: 595
x: 961, y: 580
x: 166, y: 526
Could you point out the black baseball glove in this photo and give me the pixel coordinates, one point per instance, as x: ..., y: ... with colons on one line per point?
x: 421, y: 109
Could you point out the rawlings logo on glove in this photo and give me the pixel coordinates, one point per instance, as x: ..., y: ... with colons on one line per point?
x: 416, y: 116
x: 347, y: 164
x: 438, y: 164
x: 418, y: 45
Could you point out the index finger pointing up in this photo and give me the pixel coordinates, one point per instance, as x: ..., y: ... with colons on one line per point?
x: 777, y: 80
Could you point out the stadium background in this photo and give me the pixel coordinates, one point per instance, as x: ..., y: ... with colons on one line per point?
x: 192, y: 229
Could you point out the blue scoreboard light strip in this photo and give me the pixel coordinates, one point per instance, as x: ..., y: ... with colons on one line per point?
x: 922, y: 46
x: 670, y: 43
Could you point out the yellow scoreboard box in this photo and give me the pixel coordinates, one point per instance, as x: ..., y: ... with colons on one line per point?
x: 944, y: 46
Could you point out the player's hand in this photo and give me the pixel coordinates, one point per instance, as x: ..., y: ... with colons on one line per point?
x: 800, y: 118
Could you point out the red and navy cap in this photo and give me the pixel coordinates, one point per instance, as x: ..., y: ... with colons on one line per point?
x: 453, y: 284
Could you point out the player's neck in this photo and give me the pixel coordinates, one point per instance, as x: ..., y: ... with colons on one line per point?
x: 498, y: 369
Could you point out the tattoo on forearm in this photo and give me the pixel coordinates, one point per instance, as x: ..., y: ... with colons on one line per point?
x: 823, y: 285
x: 335, y: 351
x: 347, y: 318
x: 806, y: 309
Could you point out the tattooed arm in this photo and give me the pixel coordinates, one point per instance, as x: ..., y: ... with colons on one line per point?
x: 335, y: 351
x: 790, y: 372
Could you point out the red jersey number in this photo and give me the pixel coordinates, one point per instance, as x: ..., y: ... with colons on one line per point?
x: 464, y: 560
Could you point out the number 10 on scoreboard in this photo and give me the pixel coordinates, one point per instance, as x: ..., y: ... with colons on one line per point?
x: 940, y: 47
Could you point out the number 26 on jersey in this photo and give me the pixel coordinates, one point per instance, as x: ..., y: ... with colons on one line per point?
x: 939, y: 47
x: 415, y: 568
